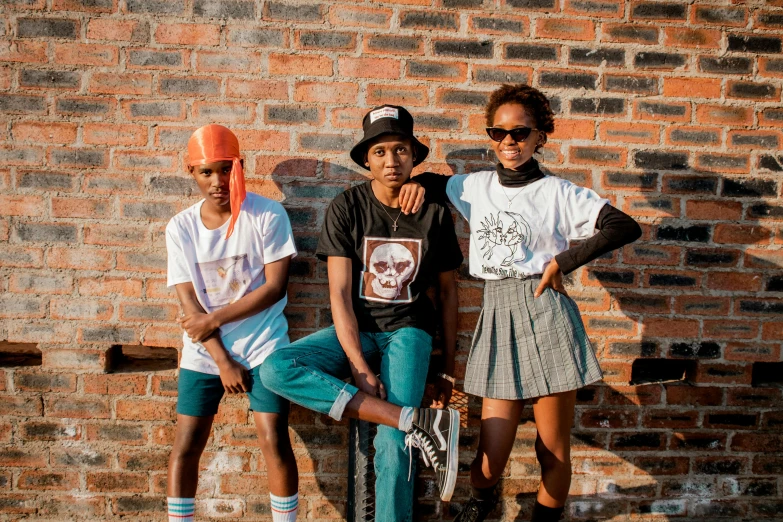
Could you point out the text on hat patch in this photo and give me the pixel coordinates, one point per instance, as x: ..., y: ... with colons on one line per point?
x: 385, y: 112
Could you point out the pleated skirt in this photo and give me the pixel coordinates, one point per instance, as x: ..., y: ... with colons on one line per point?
x: 526, y: 347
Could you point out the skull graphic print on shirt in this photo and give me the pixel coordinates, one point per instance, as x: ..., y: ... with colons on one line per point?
x: 390, y: 266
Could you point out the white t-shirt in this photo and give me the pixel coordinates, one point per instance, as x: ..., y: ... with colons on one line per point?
x: 223, y: 271
x: 516, y: 231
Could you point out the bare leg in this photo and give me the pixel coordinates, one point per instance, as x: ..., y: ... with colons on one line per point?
x: 554, y: 418
x: 275, y: 444
x: 189, y: 442
x: 499, y: 421
x: 372, y: 409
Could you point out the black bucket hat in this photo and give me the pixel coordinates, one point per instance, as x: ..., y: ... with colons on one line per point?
x: 387, y: 119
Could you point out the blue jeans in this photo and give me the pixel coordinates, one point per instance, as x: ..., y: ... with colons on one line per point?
x: 311, y: 373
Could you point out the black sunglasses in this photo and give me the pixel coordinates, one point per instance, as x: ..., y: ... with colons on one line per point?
x: 519, y: 134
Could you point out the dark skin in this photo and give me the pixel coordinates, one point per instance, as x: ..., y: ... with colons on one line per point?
x: 390, y: 159
x: 554, y: 413
x: 193, y: 432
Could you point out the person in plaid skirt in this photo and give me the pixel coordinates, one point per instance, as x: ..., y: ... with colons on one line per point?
x: 530, y: 343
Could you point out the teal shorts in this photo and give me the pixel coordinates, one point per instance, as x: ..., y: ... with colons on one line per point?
x: 199, y: 394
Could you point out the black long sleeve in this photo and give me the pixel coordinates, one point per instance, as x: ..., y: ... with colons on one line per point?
x: 615, y: 229
x: 434, y: 185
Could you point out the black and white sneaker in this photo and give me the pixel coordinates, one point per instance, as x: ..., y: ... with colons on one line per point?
x: 436, y: 434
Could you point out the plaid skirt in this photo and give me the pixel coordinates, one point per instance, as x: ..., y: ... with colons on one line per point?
x: 526, y: 347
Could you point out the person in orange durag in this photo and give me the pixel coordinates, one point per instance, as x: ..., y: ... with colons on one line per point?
x: 228, y: 258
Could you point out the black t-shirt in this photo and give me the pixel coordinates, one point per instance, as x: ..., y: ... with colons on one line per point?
x: 392, y: 270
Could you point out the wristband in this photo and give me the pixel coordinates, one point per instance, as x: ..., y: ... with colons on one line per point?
x: 449, y: 378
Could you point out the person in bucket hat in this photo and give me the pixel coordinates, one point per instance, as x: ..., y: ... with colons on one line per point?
x: 380, y: 262
x: 228, y: 259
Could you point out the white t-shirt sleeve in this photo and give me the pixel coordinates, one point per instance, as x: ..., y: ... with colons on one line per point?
x: 579, y: 212
x: 277, y: 235
x: 177, y: 271
x: 459, y: 197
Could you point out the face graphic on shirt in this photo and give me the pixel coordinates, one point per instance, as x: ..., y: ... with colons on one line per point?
x: 390, y: 266
x: 506, y: 236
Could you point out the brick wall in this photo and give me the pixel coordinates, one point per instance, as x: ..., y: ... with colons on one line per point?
x: 670, y: 109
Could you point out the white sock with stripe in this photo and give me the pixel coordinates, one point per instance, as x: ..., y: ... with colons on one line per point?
x: 181, y: 509
x: 284, y: 508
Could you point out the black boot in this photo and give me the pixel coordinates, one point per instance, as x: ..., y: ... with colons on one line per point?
x: 541, y: 513
x: 480, y: 504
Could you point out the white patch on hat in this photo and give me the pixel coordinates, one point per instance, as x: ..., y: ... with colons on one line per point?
x: 384, y: 112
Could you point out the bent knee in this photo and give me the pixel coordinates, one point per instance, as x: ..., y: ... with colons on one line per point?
x: 553, y: 458
x: 272, y: 371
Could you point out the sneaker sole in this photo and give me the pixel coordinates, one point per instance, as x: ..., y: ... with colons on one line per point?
x: 451, y: 469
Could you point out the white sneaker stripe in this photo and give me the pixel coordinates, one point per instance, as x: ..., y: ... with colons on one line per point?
x: 436, y: 430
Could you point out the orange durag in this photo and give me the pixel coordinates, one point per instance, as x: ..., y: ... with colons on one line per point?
x: 213, y: 143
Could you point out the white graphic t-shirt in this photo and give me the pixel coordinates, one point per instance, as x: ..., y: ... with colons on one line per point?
x: 515, y: 232
x: 223, y: 271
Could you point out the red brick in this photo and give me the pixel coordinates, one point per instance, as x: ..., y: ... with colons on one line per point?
x: 310, y: 64
x: 763, y: 258
x: 766, y: 70
x: 742, y: 234
x: 734, y: 281
x: 691, y: 87
x: 677, y: 37
x: 772, y: 331
x: 752, y: 352
x: 117, y: 481
x: 70, y: 308
x: 638, y: 395
x: 188, y: 34
x: 78, y: 408
x: 724, y: 114
x: 378, y: 94
x: 83, y: 359
x: 723, y: 373
x: 335, y: 92
x: 85, y: 54
x: 114, y: 83
x: 629, y: 132
x: 667, y: 327
x: 364, y: 17
x: 234, y: 61
x: 20, y: 406
x: 80, y: 208
x: 103, y: 286
x: 22, y: 206
x: 112, y: 29
x: 114, y: 134
x: 565, y: 29
x: 701, y: 305
x: 658, y: 466
x: 28, y: 52
x: 115, y: 384
x: 80, y: 258
x: 48, y: 481
x: 256, y: 89
x: 568, y: 129
x: 653, y: 207
x: 48, y: 132
x: 141, y: 410
x: 226, y: 112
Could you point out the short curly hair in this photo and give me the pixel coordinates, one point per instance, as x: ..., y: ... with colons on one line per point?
x: 533, y: 100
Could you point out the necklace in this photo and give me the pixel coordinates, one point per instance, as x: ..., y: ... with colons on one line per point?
x: 394, y: 220
x: 510, y: 199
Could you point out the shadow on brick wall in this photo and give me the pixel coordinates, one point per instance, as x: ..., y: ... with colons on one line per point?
x: 678, y: 425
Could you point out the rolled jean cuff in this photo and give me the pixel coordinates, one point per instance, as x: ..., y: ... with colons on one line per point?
x: 342, y: 400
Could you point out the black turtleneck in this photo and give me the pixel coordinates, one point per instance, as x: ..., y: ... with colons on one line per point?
x: 615, y: 228
x: 523, y: 175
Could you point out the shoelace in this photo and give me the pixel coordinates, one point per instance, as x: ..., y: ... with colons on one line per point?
x: 414, y: 440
